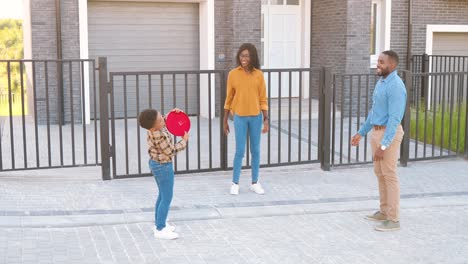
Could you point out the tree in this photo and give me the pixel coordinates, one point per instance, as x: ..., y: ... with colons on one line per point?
x: 11, y: 48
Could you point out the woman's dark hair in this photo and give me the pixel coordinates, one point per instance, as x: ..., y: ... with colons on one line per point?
x: 254, y: 61
x: 147, y: 118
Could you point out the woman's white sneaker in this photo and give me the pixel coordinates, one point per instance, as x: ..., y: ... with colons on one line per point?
x: 257, y: 188
x: 234, y: 189
x: 168, y: 226
x: 165, y: 234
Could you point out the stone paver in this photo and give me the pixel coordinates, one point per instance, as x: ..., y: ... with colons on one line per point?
x: 318, y: 238
x: 306, y: 216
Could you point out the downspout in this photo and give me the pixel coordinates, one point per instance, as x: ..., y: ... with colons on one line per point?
x: 410, y: 36
x: 58, y: 27
x: 311, y: 31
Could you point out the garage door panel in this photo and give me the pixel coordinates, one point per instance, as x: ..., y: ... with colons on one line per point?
x: 146, y: 37
x: 445, y: 43
x: 161, y: 99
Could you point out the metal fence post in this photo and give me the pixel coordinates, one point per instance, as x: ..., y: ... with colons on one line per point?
x: 104, y: 118
x: 404, y: 149
x: 325, y: 88
x: 223, y: 137
x: 466, y: 122
x: 424, y: 79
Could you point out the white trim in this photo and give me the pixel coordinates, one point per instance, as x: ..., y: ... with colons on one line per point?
x: 27, y: 54
x: 306, y: 48
x: 84, y: 53
x: 431, y: 29
x: 383, y: 30
x: 207, y: 56
x: 388, y: 24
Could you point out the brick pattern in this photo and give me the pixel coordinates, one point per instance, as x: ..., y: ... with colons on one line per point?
x: 358, y: 36
x: 43, y: 34
x: 424, y: 13
x: 236, y: 22
x: 318, y: 218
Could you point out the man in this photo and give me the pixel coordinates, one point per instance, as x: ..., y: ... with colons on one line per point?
x: 388, y: 108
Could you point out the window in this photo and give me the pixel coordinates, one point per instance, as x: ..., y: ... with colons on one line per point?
x: 280, y: 2
x: 379, y: 29
x: 373, y: 29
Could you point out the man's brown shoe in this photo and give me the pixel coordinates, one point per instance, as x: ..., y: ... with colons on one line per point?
x: 377, y: 216
x: 388, y: 225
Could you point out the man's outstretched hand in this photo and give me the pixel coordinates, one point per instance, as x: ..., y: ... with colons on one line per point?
x: 355, y: 140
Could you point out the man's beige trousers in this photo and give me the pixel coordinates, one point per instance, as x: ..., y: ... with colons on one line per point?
x: 386, y: 171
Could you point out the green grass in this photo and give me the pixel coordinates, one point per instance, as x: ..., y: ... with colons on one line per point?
x: 15, y: 107
x: 436, y: 126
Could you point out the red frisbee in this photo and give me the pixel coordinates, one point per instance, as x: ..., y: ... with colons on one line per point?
x: 177, y: 123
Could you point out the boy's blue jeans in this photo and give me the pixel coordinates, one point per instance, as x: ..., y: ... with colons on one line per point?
x: 251, y: 125
x: 164, y: 175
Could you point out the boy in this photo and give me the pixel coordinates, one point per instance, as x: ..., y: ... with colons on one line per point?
x: 161, y: 150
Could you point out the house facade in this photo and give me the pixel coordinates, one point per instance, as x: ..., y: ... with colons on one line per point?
x: 151, y: 35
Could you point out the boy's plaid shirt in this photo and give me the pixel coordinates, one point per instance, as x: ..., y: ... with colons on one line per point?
x: 160, y: 145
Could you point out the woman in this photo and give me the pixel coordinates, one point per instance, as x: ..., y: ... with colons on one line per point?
x: 246, y: 99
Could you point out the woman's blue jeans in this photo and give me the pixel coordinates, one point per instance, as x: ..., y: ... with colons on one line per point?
x: 250, y: 126
x: 164, y: 175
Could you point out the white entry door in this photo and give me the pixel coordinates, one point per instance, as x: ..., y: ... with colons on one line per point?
x: 282, y: 46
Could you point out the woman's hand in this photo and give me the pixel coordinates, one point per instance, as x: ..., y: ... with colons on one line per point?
x: 186, y: 136
x: 226, y: 127
x: 266, y: 127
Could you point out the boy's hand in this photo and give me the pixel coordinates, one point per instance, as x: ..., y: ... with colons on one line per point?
x: 177, y: 110
x: 186, y: 136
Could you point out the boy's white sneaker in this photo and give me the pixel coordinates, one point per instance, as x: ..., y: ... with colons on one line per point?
x: 235, y: 189
x: 257, y: 188
x: 165, y: 234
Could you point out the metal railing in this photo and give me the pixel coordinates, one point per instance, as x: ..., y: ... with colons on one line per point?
x: 293, y: 119
x: 435, y: 124
x: 69, y: 116
x: 45, y: 119
x: 438, y: 115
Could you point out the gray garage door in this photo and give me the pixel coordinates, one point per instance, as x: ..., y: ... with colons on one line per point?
x: 142, y: 36
x: 450, y: 44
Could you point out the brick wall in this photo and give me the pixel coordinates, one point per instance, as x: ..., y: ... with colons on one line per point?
x: 44, y: 40
x: 453, y: 12
x: 328, y: 41
x: 236, y: 22
x: 357, y: 36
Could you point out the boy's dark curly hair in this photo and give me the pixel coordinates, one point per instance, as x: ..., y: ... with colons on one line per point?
x: 147, y: 118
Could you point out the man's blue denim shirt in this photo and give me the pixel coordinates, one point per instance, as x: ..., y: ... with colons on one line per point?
x: 388, y: 107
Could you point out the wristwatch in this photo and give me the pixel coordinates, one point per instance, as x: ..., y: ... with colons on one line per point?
x: 383, y: 147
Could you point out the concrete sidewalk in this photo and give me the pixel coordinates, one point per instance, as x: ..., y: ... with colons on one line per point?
x: 306, y: 216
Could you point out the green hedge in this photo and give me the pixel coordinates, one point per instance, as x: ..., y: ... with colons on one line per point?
x: 435, y: 119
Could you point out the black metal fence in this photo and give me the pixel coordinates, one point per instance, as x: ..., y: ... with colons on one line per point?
x: 60, y: 113
x: 292, y: 139
x: 438, y: 63
x: 435, y: 121
x: 434, y: 64
x: 45, y: 119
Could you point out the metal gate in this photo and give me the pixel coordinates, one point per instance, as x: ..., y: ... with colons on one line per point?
x: 45, y: 119
x: 435, y: 121
x: 293, y: 137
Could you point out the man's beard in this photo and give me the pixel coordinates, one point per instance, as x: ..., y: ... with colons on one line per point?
x: 383, y: 72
